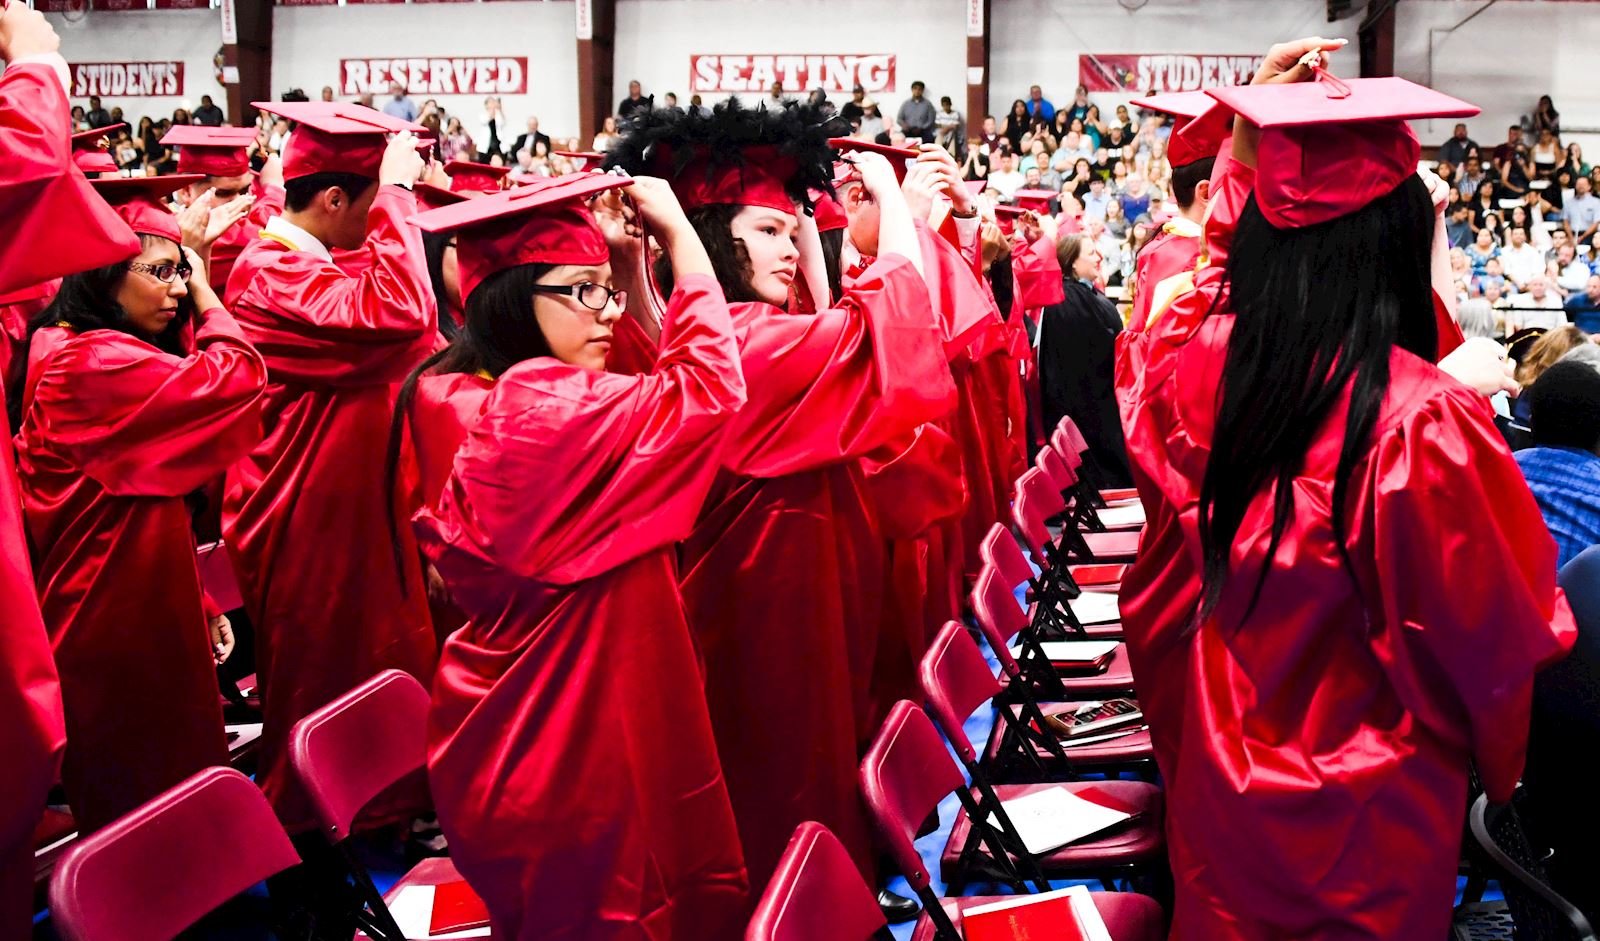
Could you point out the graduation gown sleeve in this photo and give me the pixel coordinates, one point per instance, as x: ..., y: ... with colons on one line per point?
x: 55, y: 223
x: 1445, y: 490
x: 833, y: 386
x: 1038, y: 273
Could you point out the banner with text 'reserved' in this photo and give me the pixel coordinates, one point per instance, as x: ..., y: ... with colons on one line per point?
x: 469, y: 75
x: 1161, y: 72
x: 127, y: 79
x: 798, y: 74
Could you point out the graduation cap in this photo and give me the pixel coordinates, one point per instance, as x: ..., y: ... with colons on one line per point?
x: 89, y: 150
x: 1199, y: 124
x: 586, y: 159
x: 139, y: 200
x: 769, y: 157
x: 432, y: 197
x: 213, y: 151
x: 469, y: 177
x: 899, y: 157
x: 334, y: 137
x: 829, y: 214
x: 1033, y: 200
x: 1329, y: 147
x: 547, y: 222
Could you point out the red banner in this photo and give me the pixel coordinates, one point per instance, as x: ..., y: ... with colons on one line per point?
x: 834, y: 74
x: 183, y: 4
x: 482, y: 75
x: 127, y: 79
x: 1163, y: 72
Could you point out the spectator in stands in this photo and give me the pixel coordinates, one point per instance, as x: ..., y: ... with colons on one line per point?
x: 1582, y: 211
x: 1155, y: 212
x: 1538, y: 306
x: 456, y: 143
x: 327, y: 93
x: 1039, y: 106
x: 1573, y: 160
x: 1096, y: 201
x: 365, y: 100
x: 975, y: 166
x: 96, y: 115
x: 1546, y: 117
x: 1492, y: 274
x: 635, y: 101
x: 1006, y: 180
x: 1583, y: 307
x: 1135, y: 201
x: 1048, y: 178
x: 776, y: 97
x: 608, y: 135
x: 1483, y: 202
x: 1514, y: 174
x: 532, y: 136
x: 1504, y: 151
x: 851, y: 110
x: 1522, y: 262
x: 871, y: 125
x: 1570, y: 272
x: 1080, y: 103
x: 1018, y: 121
x: 208, y: 113
x: 1476, y: 318
x: 1563, y: 466
x: 80, y: 120
x: 669, y: 101
x: 917, y: 115
x: 1547, y: 154
x: 1454, y: 150
x: 1458, y: 226
x: 1495, y: 294
x: 400, y: 104
x: 698, y: 107
x: 1472, y: 176
x: 951, y: 128
x: 492, y: 125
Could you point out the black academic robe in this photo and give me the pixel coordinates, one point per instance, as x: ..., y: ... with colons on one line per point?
x: 1077, y: 349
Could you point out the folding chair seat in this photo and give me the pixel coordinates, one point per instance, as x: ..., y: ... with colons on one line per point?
x: 162, y: 867
x: 904, y: 776
x: 956, y: 680
x: 1112, y: 518
x: 999, y: 550
x: 1035, y: 501
x: 1070, y: 442
x: 1003, y: 621
x: 816, y: 894
x: 349, y: 752
x: 1536, y: 909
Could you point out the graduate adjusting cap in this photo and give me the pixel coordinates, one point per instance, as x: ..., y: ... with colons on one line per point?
x: 769, y: 157
x: 334, y: 137
x: 585, y: 159
x: 1198, y: 128
x: 900, y: 158
x: 469, y: 177
x: 214, y: 151
x: 139, y: 200
x: 1329, y: 147
x: 546, y: 222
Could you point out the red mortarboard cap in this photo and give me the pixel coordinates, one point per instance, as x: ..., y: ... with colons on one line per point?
x: 94, y: 161
x: 587, y: 160
x: 89, y: 152
x: 1034, y: 200
x: 757, y: 179
x: 87, y: 141
x: 138, y: 200
x: 1198, y: 129
x: 469, y: 177
x: 898, y: 156
x: 543, y: 223
x: 1329, y: 147
x: 828, y: 213
x: 214, y: 151
x: 976, y: 187
x: 432, y: 197
x: 334, y: 137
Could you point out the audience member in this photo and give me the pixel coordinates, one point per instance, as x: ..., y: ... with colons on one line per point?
x: 1039, y: 106
x: 636, y: 101
x: 400, y: 104
x: 1563, y: 466
x: 1583, y: 307
x: 1455, y: 149
x: 917, y: 115
x: 208, y: 113
x: 1538, y: 306
x: 951, y: 128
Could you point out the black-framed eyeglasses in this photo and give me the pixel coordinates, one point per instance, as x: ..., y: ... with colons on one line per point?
x: 166, y: 272
x: 591, y: 295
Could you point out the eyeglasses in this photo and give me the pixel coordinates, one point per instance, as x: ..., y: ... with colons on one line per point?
x: 591, y: 295
x: 166, y: 272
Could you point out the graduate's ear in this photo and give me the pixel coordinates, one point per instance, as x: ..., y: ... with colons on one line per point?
x: 1202, y: 191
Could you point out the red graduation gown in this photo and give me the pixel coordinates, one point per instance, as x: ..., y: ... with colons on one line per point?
x: 1316, y: 756
x: 306, y: 513
x: 114, y: 434
x: 226, y: 249
x: 1171, y: 254
x: 783, y: 573
x: 569, y: 748
x: 17, y: 310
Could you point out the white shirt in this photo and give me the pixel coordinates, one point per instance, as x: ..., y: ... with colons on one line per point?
x: 1523, y: 263
x: 1006, y: 183
x: 297, y: 238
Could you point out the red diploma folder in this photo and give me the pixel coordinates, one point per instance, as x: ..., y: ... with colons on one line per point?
x: 456, y: 908
x: 1048, y: 917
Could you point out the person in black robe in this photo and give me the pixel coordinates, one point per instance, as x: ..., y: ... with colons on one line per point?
x: 1077, y: 350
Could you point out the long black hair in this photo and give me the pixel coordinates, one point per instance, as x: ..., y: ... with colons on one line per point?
x: 434, y: 245
x: 500, y: 332
x: 88, y: 301
x: 1317, y: 310
x: 729, y: 258
x: 833, y: 260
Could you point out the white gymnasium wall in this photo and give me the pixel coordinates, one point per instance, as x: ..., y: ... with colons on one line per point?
x: 655, y: 39
x: 1503, y: 60
x: 1039, y: 41
x: 308, y: 43
x: 192, y: 37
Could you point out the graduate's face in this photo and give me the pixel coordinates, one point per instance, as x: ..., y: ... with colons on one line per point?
x: 771, y: 242
x: 862, y: 212
x: 577, y: 335
x: 148, y: 304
